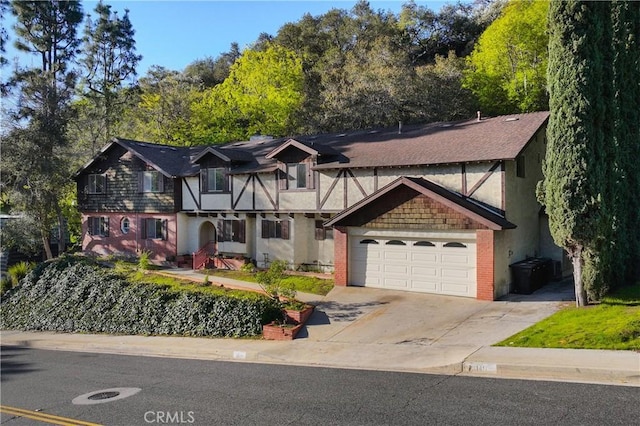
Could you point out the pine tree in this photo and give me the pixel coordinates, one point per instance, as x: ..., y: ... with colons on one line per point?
x: 109, y: 60
x: 34, y: 158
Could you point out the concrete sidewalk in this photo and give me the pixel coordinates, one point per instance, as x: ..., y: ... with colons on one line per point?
x: 374, y: 329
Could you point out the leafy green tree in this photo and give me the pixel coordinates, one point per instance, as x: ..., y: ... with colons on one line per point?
x: 590, y: 183
x: 35, y: 153
x: 440, y: 95
x: 507, y: 68
x: 109, y: 61
x: 456, y: 27
x: 262, y: 94
x: 161, y: 112
x: 209, y: 72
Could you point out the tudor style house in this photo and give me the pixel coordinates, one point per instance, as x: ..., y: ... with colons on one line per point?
x: 441, y: 208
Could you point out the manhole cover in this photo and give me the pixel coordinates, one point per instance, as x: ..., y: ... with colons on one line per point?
x: 103, y: 395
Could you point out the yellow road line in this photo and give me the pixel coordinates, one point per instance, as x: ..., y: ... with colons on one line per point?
x: 44, y: 417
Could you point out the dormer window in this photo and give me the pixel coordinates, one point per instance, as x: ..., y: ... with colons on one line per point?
x: 296, y: 176
x: 97, y: 184
x: 214, y: 179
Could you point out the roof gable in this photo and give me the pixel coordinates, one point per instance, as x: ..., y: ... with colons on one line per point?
x: 468, y: 213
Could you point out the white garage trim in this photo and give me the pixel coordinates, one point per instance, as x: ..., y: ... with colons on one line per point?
x: 428, y: 262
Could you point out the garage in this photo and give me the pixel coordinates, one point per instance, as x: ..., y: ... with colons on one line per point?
x: 429, y: 265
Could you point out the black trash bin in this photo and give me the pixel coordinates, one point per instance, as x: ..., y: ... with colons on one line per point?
x: 531, y: 274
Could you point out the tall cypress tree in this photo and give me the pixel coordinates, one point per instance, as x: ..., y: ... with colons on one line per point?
x: 575, y: 170
x: 591, y: 183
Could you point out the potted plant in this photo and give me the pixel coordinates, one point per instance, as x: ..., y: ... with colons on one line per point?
x: 294, y: 312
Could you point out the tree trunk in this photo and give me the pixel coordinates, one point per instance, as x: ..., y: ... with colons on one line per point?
x: 576, y: 259
x: 47, y: 247
x: 61, y: 228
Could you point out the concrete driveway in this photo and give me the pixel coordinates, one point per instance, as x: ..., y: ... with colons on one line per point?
x: 373, y: 316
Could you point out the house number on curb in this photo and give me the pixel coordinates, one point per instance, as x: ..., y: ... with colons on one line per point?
x: 104, y: 395
x: 482, y: 366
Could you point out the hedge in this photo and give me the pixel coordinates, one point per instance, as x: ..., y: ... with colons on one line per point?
x: 71, y: 295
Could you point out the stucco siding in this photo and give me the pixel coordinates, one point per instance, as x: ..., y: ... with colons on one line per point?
x: 297, y: 200
x: 501, y: 261
x: 522, y: 207
x: 215, y: 202
x: 190, y: 193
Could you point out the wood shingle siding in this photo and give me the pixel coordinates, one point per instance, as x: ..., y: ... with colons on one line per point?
x: 122, y: 170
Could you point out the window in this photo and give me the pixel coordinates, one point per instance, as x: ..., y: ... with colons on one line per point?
x: 395, y: 243
x: 369, y: 242
x: 424, y: 244
x: 297, y: 176
x: 232, y: 230
x: 151, y: 181
x: 98, y: 226
x: 154, y: 229
x: 455, y: 244
x: 214, y: 180
x: 275, y: 229
x: 97, y: 184
x: 125, y: 225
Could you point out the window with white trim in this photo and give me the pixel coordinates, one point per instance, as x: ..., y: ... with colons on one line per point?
x: 214, y: 179
x: 97, y: 184
x: 98, y: 226
x: 125, y: 225
x: 151, y: 181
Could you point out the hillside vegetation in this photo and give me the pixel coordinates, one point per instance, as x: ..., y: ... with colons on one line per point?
x: 77, y: 295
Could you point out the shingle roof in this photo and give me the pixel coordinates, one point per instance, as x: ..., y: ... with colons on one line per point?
x: 495, y: 138
x: 170, y: 160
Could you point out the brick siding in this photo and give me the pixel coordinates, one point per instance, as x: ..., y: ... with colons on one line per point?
x: 341, y: 256
x: 485, y: 264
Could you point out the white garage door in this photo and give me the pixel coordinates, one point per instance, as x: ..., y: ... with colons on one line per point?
x: 438, y: 266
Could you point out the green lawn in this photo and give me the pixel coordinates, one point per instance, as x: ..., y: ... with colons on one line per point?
x: 303, y: 283
x: 612, y: 324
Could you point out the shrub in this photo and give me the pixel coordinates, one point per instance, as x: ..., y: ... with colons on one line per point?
x: 18, y: 271
x: 272, y: 281
x: 143, y: 261
x: 75, y: 296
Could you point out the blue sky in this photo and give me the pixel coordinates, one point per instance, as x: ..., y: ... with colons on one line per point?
x: 175, y: 33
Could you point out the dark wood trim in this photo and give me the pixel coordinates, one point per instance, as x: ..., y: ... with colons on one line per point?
x: 375, y: 179
x: 253, y: 191
x: 264, y: 188
x: 345, y: 197
x: 355, y: 180
x: 503, y: 185
x: 235, y: 202
x: 309, y: 215
x: 483, y: 179
x: 333, y: 185
x: 276, y: 205
x: 193, y: 197
x: 464, y: 178
x: 317, y: 177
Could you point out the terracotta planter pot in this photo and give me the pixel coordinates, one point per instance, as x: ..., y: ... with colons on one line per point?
x: 299, y: 317
x: 275, y: 331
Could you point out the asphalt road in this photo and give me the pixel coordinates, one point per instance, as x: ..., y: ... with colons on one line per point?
x: 178, y: 391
